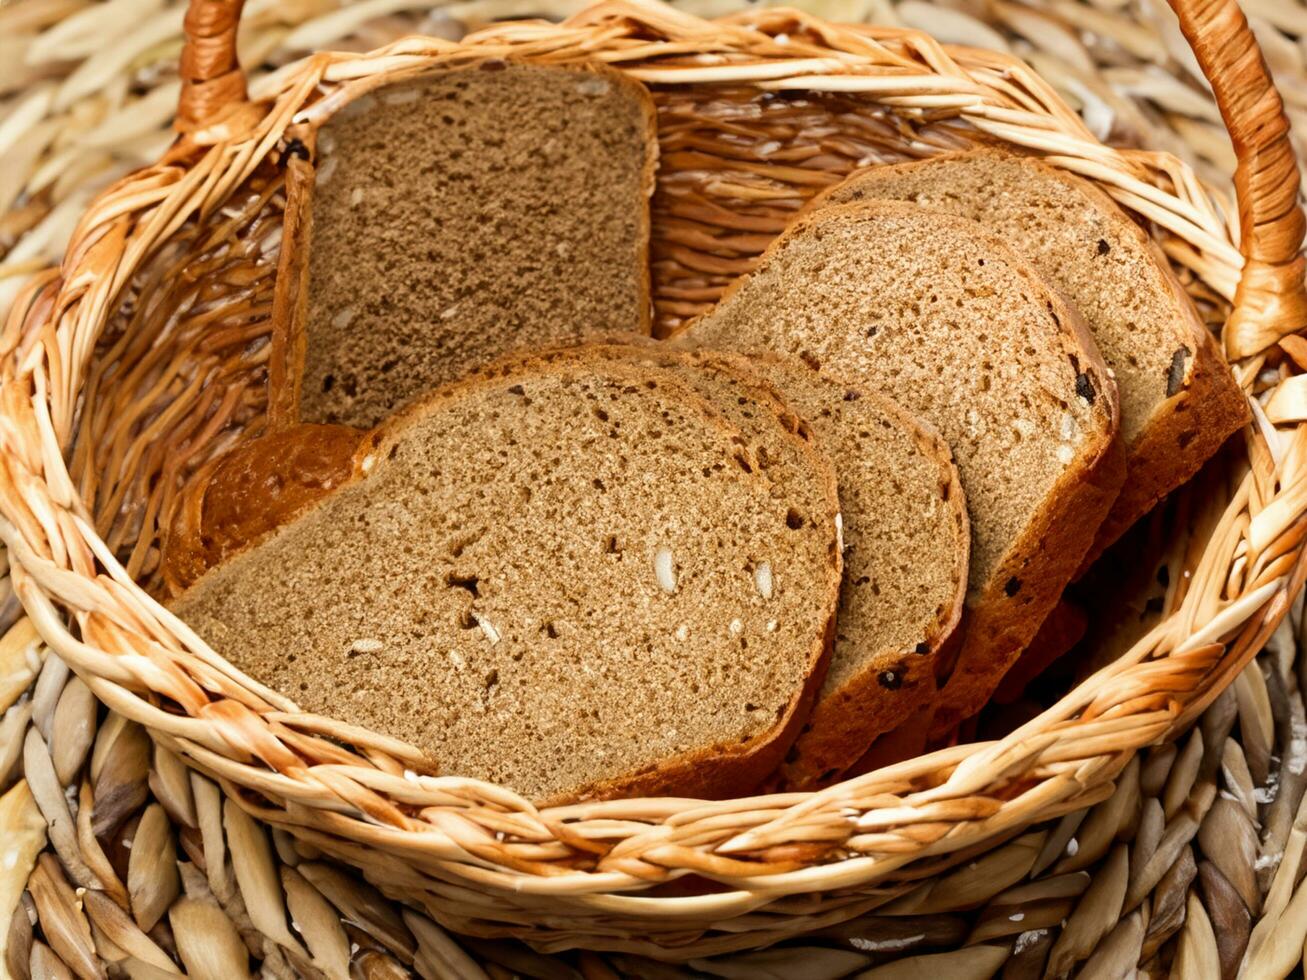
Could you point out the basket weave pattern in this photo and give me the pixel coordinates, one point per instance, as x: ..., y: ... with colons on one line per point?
x: 143, y: 358
x: 1187, y: 868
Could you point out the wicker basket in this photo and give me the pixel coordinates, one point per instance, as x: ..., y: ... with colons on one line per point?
x: 144, y: 356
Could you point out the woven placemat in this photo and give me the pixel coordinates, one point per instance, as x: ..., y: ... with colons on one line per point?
x: 115, y: 860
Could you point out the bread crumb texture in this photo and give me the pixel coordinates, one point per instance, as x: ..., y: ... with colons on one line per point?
x: 938, y: 314
x: 1074, y: 234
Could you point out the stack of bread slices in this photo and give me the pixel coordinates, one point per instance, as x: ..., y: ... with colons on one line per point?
x: 491, y: 517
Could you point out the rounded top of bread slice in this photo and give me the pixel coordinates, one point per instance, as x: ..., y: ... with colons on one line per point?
x: 1145, y: 327
x: 453, y: 215
x: 548, y: 579
x: 906, y: 549
x: 944, y: 317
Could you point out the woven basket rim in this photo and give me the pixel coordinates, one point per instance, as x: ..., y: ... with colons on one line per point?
x: 483, y: 837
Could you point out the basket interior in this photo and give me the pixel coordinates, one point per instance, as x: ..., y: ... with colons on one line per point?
x: 179, y: 374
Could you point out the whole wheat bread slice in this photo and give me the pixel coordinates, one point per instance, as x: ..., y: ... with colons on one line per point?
x: 1179, y: 401
x: 899, y: 495
x: 548, y: 579
x: 941, y: 315
x: 906, y: 551
x: 449, y: 218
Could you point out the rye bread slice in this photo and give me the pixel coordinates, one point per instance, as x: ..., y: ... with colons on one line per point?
x: 448, y: 218
x: 906, y: 549
x: 1179, y: 400
x: 777, y: 441
x: 941, y: 315
x: 547, y: 579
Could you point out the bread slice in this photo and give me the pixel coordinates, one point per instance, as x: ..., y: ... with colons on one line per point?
x: 941, y: 315
x: 898, y: 494
x: 777, y: 441
x: 451, y: 217
x: 906, y: 550
x: 1179, y: 400
x: 548, y: 579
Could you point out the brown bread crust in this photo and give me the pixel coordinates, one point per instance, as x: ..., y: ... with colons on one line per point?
x: 726, y: 770
x: 1185, y: 433
x: 290, y: 297
x: 999, y: 624
x: 252, y: 490
x: 723, y: 770
x: 1028, y: 581
x: 907, y: 741
x: 291, y: 292
x: 1063, y: 629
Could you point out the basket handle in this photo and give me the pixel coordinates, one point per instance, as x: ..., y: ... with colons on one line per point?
x: 1271, y: 300
x: 211, y: 76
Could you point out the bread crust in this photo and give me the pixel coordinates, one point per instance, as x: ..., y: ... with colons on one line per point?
x: 997, y: 625
x: 290, y: 296
x: 907, y: 741
x: 239, y: 498
x: 291, y: 291
x: 1043, y: 561
x: 1185, y: 431
x: 717, y: 771
x: 1062, y: 630
x: 725, y: 770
